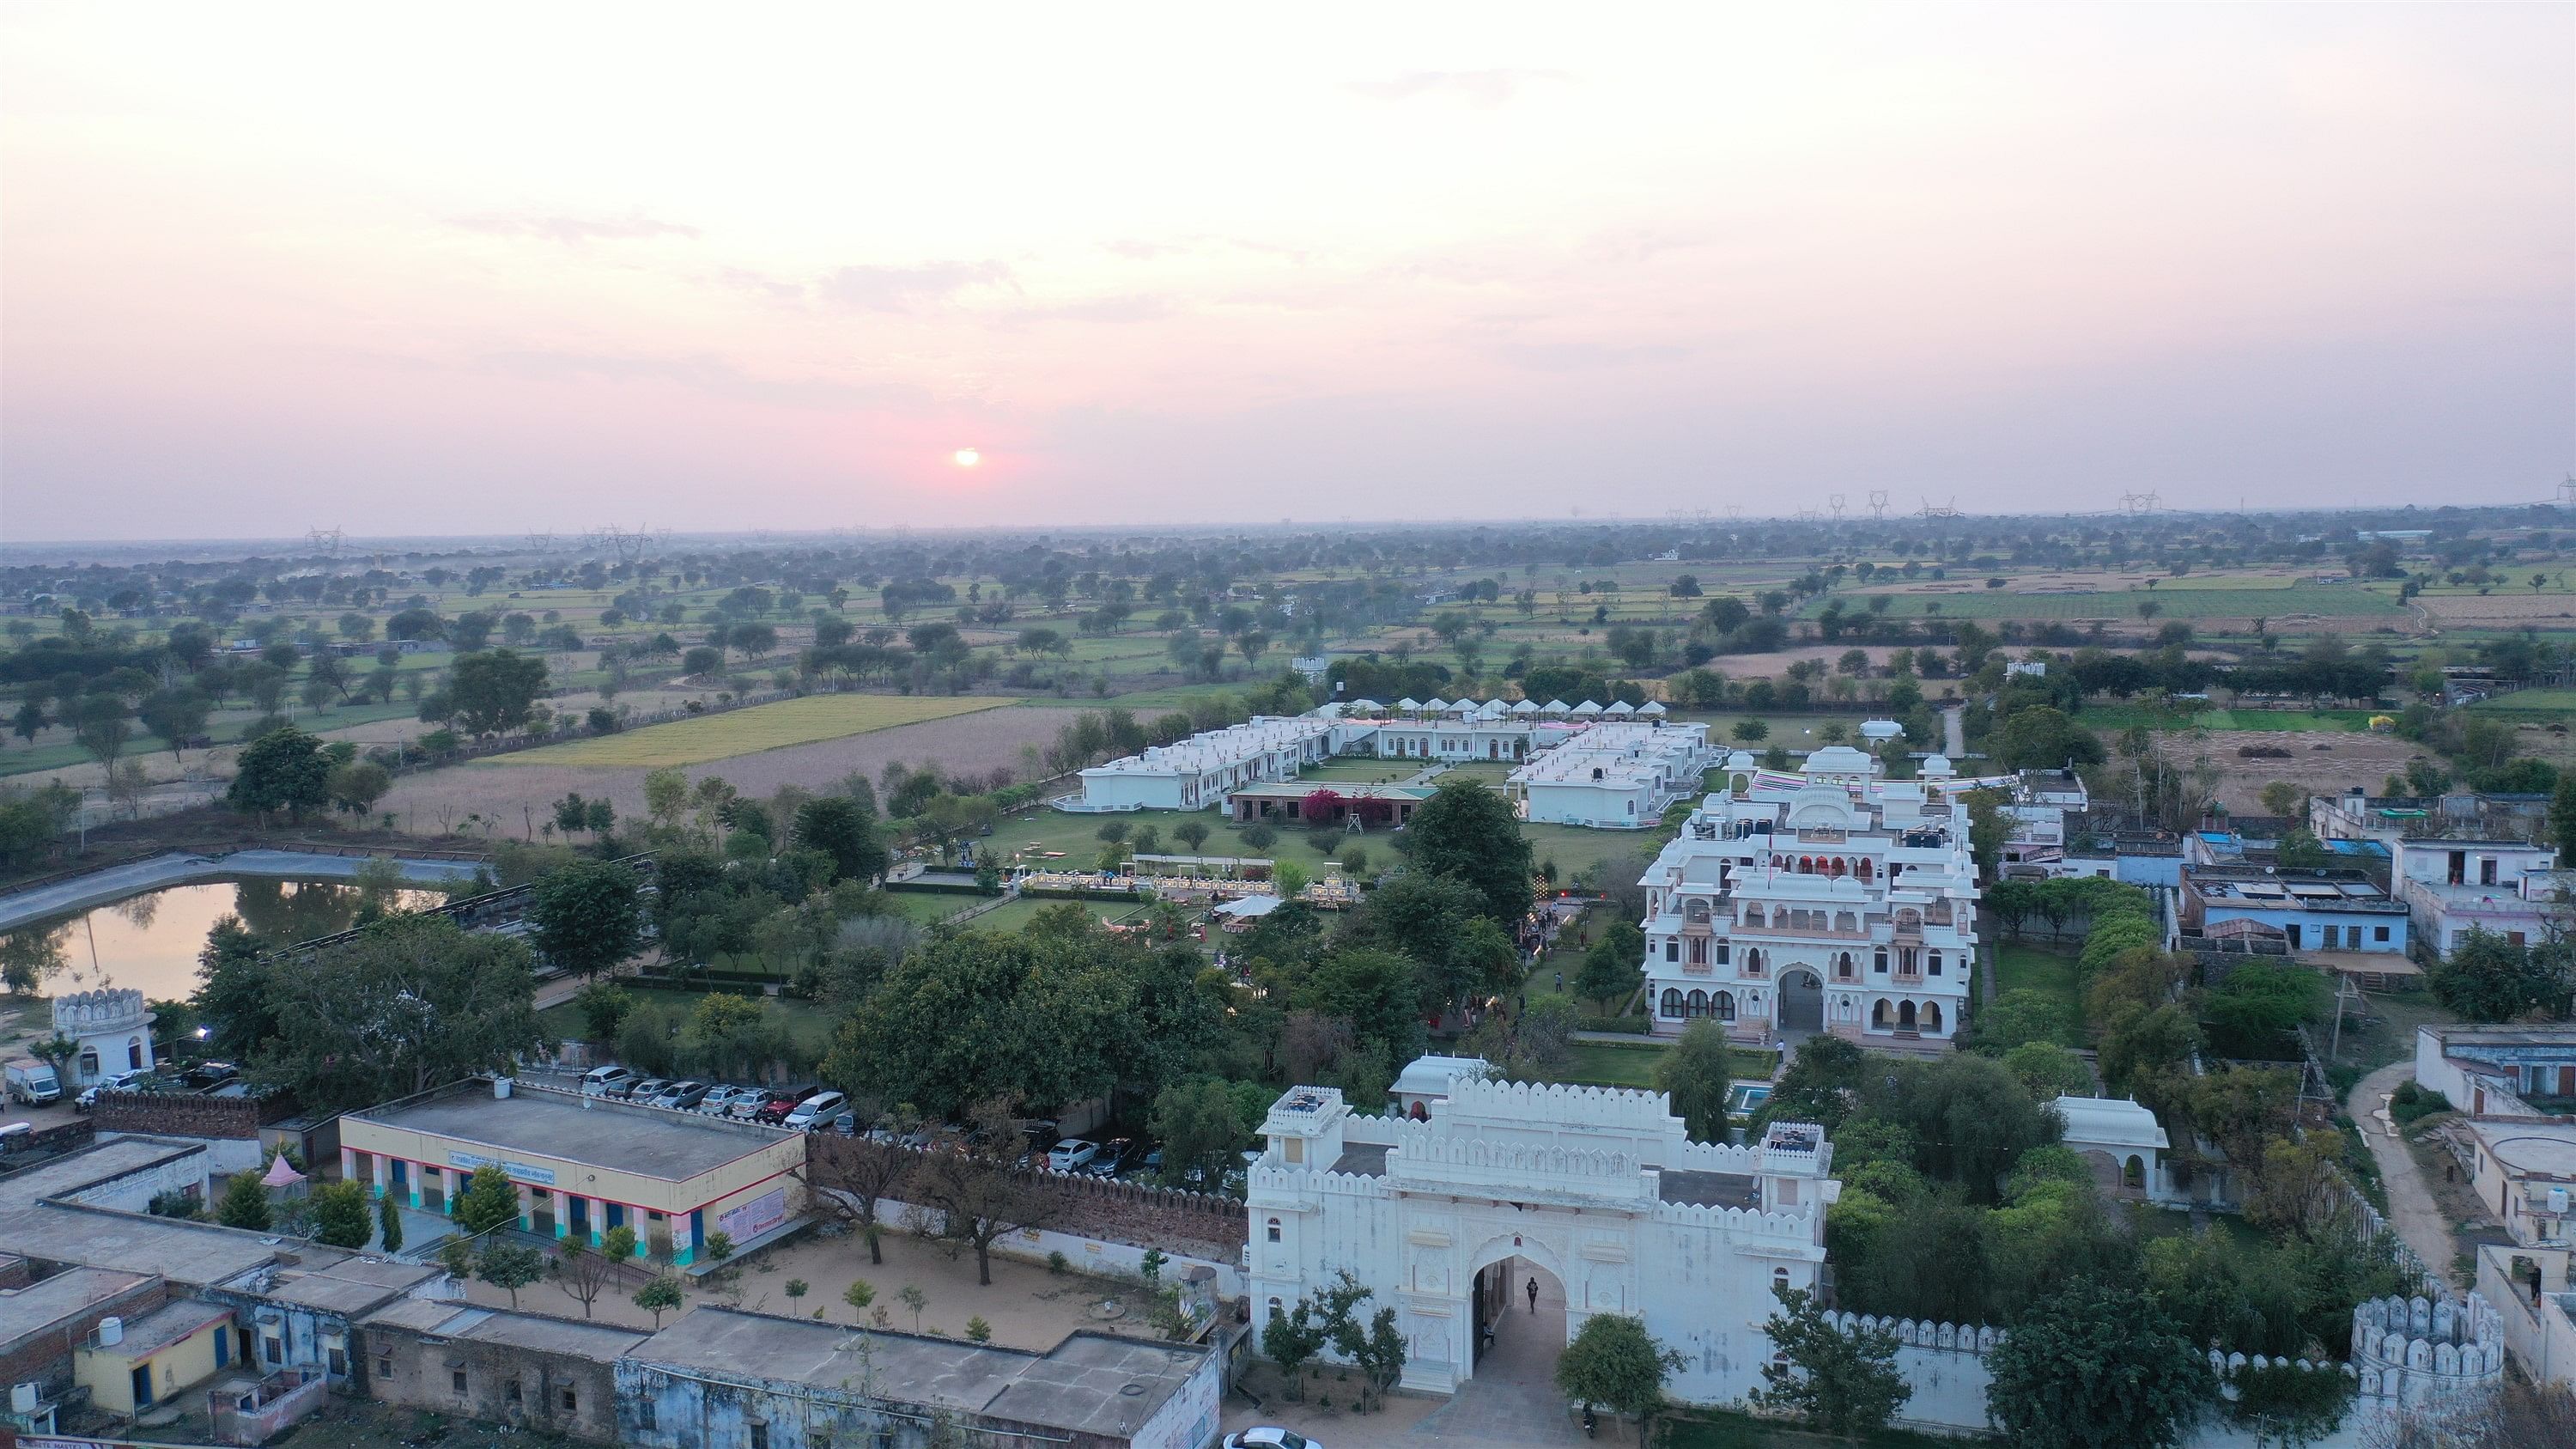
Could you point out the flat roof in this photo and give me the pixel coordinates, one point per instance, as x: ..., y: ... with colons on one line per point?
x: 2530, y: 1148
x: 536, y: 1332
x: 165, y: 1326
x: 113, y: 1158
x: 196, y: 1254
x: 1708, y: 1189
x: 347, y: 1285
x: 1082, y: 1384
x: 594, y: 1131
x: 48, y: 1301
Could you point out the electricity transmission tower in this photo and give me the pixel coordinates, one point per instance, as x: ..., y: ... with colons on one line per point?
x: 1878, y: 503
x: 328, y: 541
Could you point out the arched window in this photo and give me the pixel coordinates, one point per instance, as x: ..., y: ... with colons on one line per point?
x: 2133, y: 1173
x: 1935, y: 965
x: 1698, y: 1005
x: 1721, y: 953
x: 1276, y: 1308
x: 134, y: 1053
x: 1931, y: 1016
x: 1753, y: 960
x: 1672, y: 1001
x: 1862, y: 870
x: 1846, y: 921
x: 1905, y: 1016
x: 1753, y: 914
x: 1843, y: 967
x: 1878, y: 1013
x: 1696, y: 913
x: 1779, y: 1281
x: 1834, y: 866
x: 1725, y: 1005
x: 1274, y: 1230
x: 1878, y: 961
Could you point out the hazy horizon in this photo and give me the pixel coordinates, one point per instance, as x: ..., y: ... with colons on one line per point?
x: 481, y: 271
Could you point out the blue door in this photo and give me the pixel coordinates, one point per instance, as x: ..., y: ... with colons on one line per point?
x: 578, y: 1219
x: 697, y: 1231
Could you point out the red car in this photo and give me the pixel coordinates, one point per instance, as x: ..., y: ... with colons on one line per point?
x: 775, y: 1111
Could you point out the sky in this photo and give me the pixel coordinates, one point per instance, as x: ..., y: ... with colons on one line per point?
x: 473, y: 268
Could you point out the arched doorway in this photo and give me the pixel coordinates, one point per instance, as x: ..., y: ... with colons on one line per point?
x: 1802, y: 1000
x: 1519, y: 1335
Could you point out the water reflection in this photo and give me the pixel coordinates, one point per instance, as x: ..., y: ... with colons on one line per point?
x: 150, y: 942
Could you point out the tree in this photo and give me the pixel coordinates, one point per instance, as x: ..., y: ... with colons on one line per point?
x: 1614, y: 1362
x: 389, y: 1229
x: 972, y: 1193
x: 1694, y: 1075
x: 175, y: 715
x: 492, y: 690
x: 2283, y: 799
x: 2038, y: 737
x: 244, y: 1203
x: 411, y: 1002
x: 2489, y: 978
x: 488, y: 1200
x: 103, y: 726
x: 584, y: 1271
x: 2562, y: 816
x: 340, y: 1216
x: 1200, y: 1132
x: 587, y: 916
x: 1843, y: 1383
x: 510, y: 1267
x: 851, y: 1176
x: 859, y: 1295
x: 232, y: 991
x: 283, y: 770
x: 841, y: 828
x: 1292, y: 1339
x: 2093, y: 1366
x: 357, y: 786
x: 911, y: 1296
x: 1469, y: 832
x: 1614, y: 966
x: 660, y: 1296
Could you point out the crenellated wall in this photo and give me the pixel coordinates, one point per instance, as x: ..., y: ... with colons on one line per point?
x: 2410, y: 1351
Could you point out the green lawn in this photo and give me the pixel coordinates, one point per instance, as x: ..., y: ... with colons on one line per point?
x: 1621, y: 1064
x: 1576, y: 850
x: 2238, y: 599
x: 2532, y: 701
x: 2020, y: 965
x: 929, y: 908
x: 2107, y: 718
x: 810, y: 1028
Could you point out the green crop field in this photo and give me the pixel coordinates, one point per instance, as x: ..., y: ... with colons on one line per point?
x: 2274, y: 604
x: 2104, y: 718
x: 748, y: 731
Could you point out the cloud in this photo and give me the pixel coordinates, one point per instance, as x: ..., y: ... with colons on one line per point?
x: 1483, y: 89
x: 1583, y: 356
x: 900, y: 289
x: 707, y: 373
x: 1136, y: 308
x: 574, y: 230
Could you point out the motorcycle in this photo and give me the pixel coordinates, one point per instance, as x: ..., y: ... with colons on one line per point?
x: 1589, y: 1423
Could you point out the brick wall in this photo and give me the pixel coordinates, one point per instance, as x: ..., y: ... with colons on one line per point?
x: 48, y: 1360
x: 174, y: 1116
x: 423, y: 1376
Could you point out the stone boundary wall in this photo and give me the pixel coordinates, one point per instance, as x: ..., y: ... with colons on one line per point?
x: 166, y: 1114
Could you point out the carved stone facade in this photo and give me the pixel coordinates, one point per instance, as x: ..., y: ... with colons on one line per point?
x: 1598, y: 1188
x: 113, y: 1027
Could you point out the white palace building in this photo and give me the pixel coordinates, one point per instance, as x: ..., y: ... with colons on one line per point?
x: 1825, y: 900
x: 1451, y: 1214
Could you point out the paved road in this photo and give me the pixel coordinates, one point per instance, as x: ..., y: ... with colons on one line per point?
x: 180, y: 868
x: 2411, y: 1210
x: 1954, y: 732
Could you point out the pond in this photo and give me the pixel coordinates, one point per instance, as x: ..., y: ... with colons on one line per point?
x: 150, y: 942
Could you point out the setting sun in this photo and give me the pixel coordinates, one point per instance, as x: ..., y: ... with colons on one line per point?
x: 968, y: 457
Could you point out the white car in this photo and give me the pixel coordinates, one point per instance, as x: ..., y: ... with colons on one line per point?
x: 1270, y: 1439
x: 112, y: 1082
x: 719, y: 1101
x: 1072, y: 1155
x: 815, y: 1110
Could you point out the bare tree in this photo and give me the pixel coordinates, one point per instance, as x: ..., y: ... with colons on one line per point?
x: 968, y: 1194
x: 850, y: 1177
x: 2513, y: 1415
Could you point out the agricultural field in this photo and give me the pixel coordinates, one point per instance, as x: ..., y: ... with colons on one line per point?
x: 2319, y: 762
x: 750, y: 731
x: 2279, y: 606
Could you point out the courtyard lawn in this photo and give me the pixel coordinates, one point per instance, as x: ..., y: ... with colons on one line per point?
x: 929, y: 908
x: 1623, y: 1064
x: 2020, y: 965
x: 1010, y: 916
x: 1577, y: 850
x: 811, y: 1029
x: 748, y: 731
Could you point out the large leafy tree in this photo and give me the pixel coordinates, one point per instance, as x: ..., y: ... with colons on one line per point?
x: 493, y: 690
x: 1469, y: 832
x: 1842, y: 1382
x: 2094, y: 1366
x: 1614, y: 1362
x: 587, y: 916
x: 232, y: 991
x: 844, y: 830
x: 412, y: 1002
x: 488, y: 1200
x: 1695, y: 1076
x: 283, y: 770
x: 2489, y: 978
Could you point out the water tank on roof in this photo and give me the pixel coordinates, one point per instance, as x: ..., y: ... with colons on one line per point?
x: 22, y: 1399
x: 501, y: 1088
x: 2558, y: 1201
x: 111, y: 1331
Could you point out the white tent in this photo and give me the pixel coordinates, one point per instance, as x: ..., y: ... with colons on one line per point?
x: 1408, y: 704
x: 1493, y: 709
x: 1587, y: 710
x: 1524, y: 709
x: 1652, y: 707
x: 1435, y: 705
x: 1619, y: 709
x: 1557, y: 708
x: 1362, y: 706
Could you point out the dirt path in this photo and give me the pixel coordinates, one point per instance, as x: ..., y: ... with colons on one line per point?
x: 2419, y: 1221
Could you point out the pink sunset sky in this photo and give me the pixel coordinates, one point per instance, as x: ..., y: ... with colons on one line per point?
x: 492, y: 268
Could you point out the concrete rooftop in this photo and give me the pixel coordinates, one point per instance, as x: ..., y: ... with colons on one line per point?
x: 67, y: 1294
x: 596, y: 1132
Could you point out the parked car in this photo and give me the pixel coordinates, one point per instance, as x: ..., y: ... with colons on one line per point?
x: 817, y: 1108
x: 207, y: 1076
x: 775, y: 1110
x: 32, y: 1083
x: 134, y: 1080
x: 1113, y: 1154
x: 1268, y: 1438
x: 645, y: 1090
x: 719, y: 1100
x: 681, y: 1096
x: 749, y: 1103
x: 847, y: 1124
x: 1071, y: 1155
x: 609, y: 1081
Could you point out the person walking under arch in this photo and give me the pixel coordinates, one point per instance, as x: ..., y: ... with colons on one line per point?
x: 1533, y: 1295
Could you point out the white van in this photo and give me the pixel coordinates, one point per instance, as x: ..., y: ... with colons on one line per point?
x: 605, y: 1081
x: 814, y: 1109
